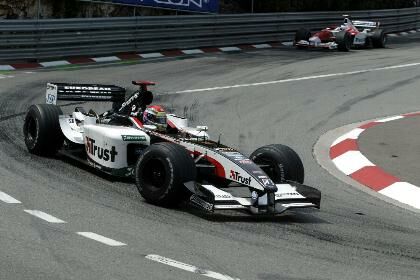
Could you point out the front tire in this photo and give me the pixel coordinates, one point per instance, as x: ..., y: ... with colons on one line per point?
x: 161, y: 171
x: 41, y: 129
x: 282, y: 163
x: 344, y: 41
x: 302, y: 34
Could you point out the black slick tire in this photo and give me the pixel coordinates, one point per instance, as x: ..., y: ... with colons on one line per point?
x: 161, y: 171
x: 41, y: 129
x: 379, y: 38
x: 344, y: 41
x: 281, y: 163
x: 302, y: 34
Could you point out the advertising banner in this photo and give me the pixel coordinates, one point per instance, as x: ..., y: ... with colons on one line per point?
x: 204, y: 6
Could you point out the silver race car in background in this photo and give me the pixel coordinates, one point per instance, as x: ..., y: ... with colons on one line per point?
x: 179, y: 164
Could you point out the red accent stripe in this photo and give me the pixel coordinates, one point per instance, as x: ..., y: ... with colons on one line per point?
x: 210, y: 50
x: 343, y: 147
x: 137, y: 121
x: 412, y: 114
x: 374, y: 178
x: 246, y: 47
x: 26, y: 65
x: 369, y: 125
x: 171, y: 124
x: 172, y: 53
x: 219, y: 171
x: 80, y: 60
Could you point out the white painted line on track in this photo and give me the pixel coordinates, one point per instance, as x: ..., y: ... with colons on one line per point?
x: 194, y: 51
x: 44, y: 216
x: 351, y: 162
x: 412, y: 31
x: 190, y: 268
x: 150, y: 55
x: 262, y: 46
x: 102, y: 239
x: 230, y: 49
x: 106, y: 59
x: 403, y: 192
x: 300, y: 78
x: 8, y: 199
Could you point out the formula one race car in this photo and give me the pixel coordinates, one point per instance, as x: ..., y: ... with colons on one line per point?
x: 170, y: 161
x: 349, y: 35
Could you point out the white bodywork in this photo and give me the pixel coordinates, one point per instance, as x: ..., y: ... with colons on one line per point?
x: 107, y: 144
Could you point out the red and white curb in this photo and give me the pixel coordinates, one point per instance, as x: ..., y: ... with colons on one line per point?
x: 405, y: 33
x: 345, y: 154
x: 134, y: 56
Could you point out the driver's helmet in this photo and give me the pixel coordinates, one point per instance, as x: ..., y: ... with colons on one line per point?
x: 155, y: 115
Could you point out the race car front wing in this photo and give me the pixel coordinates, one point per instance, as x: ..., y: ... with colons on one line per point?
x: 289, y: 195
x: 315, y: 44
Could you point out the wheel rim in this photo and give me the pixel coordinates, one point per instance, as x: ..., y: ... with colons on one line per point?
x: 31, y: 129
x: 154, y: 174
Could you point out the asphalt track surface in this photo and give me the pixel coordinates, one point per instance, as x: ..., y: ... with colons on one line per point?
x: 353, y: 236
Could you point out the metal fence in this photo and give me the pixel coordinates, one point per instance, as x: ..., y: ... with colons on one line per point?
x: 55, y: 38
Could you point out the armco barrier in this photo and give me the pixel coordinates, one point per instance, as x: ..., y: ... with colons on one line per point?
x: 54, y: 38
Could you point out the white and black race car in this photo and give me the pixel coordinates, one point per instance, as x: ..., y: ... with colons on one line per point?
x: 179, y: 164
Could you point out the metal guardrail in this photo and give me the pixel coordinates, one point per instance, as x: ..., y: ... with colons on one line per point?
x: 52, y: 38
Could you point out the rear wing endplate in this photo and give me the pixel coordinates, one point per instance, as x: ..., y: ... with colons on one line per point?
x: 84, y: 92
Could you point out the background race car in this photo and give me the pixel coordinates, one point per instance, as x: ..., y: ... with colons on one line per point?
x: 349, y: 35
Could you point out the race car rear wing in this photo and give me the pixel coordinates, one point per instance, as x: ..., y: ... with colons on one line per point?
x: 366, y: 24
x: 85, y: 92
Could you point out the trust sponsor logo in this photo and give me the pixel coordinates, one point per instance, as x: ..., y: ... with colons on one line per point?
x: 100, y: 152
x: 236, y: 176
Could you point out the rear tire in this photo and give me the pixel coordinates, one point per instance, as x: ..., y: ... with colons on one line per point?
x: 161, y: 171
x: 284, y: 163
x: 41, y: 129
x: 344, y: 41
x: 379, y: 38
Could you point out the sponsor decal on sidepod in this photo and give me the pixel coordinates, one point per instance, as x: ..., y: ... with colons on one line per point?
x: 100, y: 152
